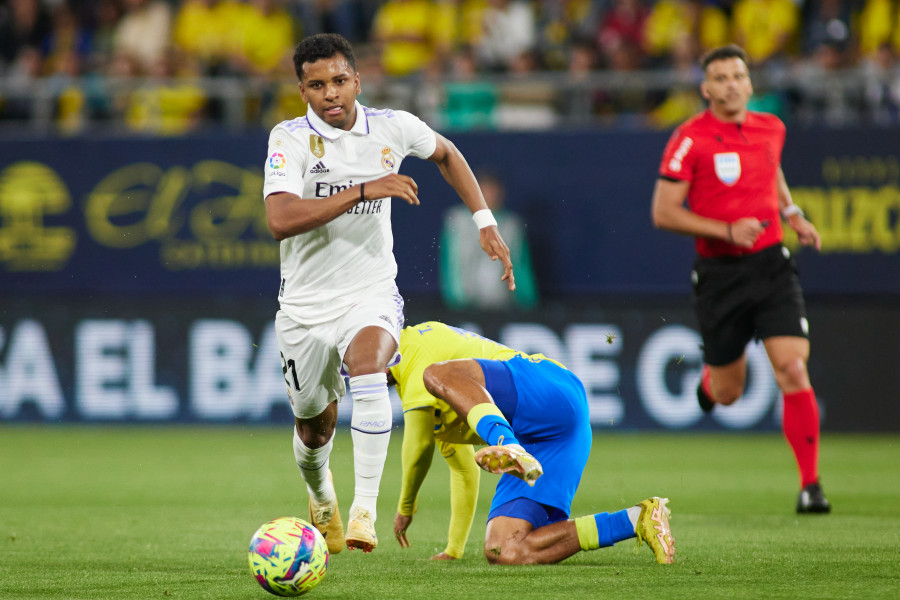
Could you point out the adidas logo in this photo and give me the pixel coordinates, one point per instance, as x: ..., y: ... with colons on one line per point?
x: 320, y: 168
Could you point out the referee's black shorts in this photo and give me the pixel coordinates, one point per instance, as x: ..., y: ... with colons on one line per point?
x: 738, y: 298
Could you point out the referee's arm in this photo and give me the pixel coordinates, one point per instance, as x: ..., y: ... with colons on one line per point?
x: 670, y: 213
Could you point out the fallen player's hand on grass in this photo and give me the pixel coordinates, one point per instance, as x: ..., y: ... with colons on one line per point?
x: 401, y: 524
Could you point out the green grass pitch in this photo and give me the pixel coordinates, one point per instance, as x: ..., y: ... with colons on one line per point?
x: 168, y: 512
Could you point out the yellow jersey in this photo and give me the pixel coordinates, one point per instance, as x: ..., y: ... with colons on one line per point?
x: 428, y: 420
x: 430, y: 342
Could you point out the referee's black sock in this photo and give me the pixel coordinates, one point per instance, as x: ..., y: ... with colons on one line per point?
x: 703, y: 398
x: 706, y: 405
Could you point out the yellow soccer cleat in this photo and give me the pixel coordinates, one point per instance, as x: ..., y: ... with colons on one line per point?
x: 653, y: 529
x: 361, y: 530
x: 327, y: 519
x: 512, y: 459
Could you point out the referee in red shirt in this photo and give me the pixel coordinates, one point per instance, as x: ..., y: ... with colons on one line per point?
x: 726, y: 163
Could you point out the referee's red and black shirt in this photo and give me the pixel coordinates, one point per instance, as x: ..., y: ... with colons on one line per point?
x: 732, y: 169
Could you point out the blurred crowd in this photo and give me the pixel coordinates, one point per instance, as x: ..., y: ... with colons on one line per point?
x: 171, y: 66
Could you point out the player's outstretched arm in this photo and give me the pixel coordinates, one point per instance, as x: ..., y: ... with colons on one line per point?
x: 464, y: 478
x: 456, y: 171
x: 416, y: 454
x: 496, y: 248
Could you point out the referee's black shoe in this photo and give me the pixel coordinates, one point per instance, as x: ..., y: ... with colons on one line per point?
x: 703, y: 399
x: 812, y: 500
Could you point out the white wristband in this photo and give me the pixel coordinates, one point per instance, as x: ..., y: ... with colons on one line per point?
x: 791, y: 210
x: 484, y: 218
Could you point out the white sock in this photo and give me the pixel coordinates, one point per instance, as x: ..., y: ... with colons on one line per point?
x: 634, y: 513
x: 313, y: 463
x: 370, y: 428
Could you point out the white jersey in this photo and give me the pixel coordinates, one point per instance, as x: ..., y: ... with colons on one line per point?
x: 328, y: 269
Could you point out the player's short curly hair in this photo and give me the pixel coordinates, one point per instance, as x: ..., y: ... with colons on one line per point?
x: 723, y: 53
x: 321, y: 45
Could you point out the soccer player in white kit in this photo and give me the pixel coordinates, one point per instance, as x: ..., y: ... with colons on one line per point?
x: 329, y: 179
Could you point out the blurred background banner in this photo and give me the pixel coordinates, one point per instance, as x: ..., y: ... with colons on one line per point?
x: 186, y: 215
x: 138, y: 279
x: 177, y: 358
x: 135, y: 215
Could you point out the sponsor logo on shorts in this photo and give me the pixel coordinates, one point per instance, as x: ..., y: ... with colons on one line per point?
x: 386, y: 319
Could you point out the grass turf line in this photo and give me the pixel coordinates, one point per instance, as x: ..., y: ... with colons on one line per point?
x: 167, y: 512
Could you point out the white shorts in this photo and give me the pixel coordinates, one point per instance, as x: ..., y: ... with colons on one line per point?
x: 312, y: 356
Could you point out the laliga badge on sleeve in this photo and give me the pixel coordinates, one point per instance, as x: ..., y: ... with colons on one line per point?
x: 277, y: 165
x: 728, y: 167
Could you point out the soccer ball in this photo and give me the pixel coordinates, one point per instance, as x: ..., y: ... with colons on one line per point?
x: 288, y: 556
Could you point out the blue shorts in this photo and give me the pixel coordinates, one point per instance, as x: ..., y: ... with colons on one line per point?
x: 547, y: 407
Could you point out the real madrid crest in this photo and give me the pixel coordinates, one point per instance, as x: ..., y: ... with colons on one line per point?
x: 316, y: 145
x: 387, y: 159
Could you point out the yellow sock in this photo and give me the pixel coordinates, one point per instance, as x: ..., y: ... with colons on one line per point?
x: 588, y: 536
x: 482, y: 410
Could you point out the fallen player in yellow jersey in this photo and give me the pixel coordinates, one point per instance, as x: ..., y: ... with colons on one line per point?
x: 460, y: 389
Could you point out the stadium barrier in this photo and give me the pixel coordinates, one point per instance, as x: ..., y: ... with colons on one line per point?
x: 98, y: 104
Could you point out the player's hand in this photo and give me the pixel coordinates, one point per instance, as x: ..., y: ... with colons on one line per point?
x: 401, y: 524
x: 744, y: 232
x: 443, y: 556
x: 393, y: 184
x: 807, y: 234
x: 496, y: 248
